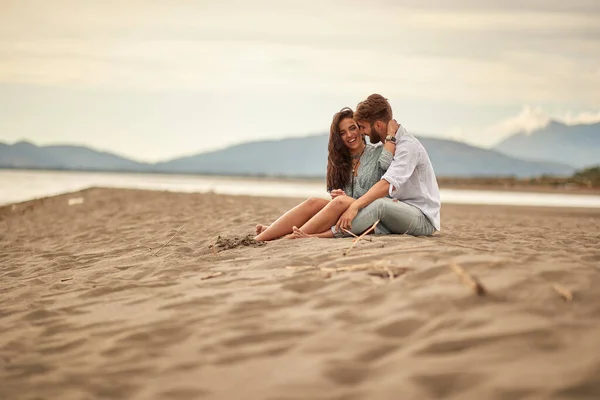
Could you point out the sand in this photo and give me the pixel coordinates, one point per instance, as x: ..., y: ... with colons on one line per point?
x: 88, y: 311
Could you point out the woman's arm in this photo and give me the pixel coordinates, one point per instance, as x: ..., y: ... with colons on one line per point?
x: 386, y: 157
x: 389, y: 147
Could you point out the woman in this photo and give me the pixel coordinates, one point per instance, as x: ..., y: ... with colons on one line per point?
x: 352, y: 168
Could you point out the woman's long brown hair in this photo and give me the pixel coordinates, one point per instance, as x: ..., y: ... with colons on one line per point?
x: 339, y: 160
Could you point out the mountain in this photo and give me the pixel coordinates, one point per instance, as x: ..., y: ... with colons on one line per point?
x: 308, y: 157
x: 576, y: 145
x: 27, y: 155
x: 305, y: 156
x: 456, y: 159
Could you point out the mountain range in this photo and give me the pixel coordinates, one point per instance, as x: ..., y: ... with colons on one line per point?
x: 576, y: 145
x: 555, y: 150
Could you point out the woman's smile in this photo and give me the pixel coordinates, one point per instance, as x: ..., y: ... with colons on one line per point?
x: 350, y: 134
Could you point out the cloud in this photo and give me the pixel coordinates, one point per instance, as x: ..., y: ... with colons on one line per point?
x: 460, y: 64
x: 473, y: 52
x: 456, y: 133
x: 586, y: 117
x: 529, y: 119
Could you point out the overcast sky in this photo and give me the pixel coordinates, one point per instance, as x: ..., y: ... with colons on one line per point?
x: 158, y: 79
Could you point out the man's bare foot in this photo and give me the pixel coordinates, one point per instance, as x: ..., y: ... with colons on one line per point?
x: 260, y: 229
x: 299, y: 234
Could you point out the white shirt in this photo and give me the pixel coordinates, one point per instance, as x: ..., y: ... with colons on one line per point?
x: 412, y: 179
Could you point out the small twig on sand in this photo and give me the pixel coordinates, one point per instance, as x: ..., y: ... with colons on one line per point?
x: 214, y: 247
x: 350, y: 233
x: 299, y: 267
x: 468, y: 279
x: 389, y: 272
x: 563, y: 292
x: 355, y: 241
x: 380, y: 271
x: 66, y: 279
x: 164, y: 245
x: 211, y: 276
x: 349, y: 268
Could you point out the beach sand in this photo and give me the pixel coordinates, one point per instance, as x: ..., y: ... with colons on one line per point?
x: 88, y: 311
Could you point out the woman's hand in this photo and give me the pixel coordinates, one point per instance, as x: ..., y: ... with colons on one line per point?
x: 336, y: 193
x: 392, y: 127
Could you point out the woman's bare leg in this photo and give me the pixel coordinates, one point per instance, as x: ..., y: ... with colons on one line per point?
x: 328, y: 216
x: 300, y: 234
x: 297, y: 216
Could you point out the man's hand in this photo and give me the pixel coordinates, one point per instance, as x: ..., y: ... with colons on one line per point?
x: 336, y: 193
x: 392, y: 127
x: 345, y: 221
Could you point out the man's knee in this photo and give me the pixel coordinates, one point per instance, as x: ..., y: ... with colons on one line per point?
x: 382, y: 202
x: 380, y: 205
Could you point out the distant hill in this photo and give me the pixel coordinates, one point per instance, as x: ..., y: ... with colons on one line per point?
x: 576, y: 145
x: 305, y: 156
x: 28, y: 155
x: 308, y: 157
x: 297, y: 157
x: 455, y: 159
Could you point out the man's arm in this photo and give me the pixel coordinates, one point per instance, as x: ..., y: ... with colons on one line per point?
x: 377, y: 191
x: 404, y: 163
x: 392, y: 130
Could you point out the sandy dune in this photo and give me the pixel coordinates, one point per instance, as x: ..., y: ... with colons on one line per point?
x: 87, y: 311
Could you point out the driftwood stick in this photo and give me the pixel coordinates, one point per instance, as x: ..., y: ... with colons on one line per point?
x: 211, y: 276
x: 349, y: 268
x: 169, y: 241
x: 563, y: 292
x: 295, y: 267
x: 389, y: 272
x: 468, y: 279
x: 356, y: 237
x: 214, y: 247
x: 355, y: 241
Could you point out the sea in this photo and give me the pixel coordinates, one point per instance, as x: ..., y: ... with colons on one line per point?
x: 21, y: 185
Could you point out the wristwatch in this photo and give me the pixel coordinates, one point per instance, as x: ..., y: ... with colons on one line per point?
x: 390, y: 138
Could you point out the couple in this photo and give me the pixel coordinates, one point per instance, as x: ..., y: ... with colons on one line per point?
x: 394, y: 183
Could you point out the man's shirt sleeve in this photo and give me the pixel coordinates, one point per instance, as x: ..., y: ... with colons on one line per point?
x: 403, y: 165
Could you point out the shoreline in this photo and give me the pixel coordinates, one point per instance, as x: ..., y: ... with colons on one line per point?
x: 522, y: 189
x: 474, y: 183
x: 299, y: 198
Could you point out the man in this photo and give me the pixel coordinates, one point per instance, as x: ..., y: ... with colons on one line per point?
x: 413, y: 205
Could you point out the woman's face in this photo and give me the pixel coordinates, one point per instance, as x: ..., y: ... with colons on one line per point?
x: 350, y: 134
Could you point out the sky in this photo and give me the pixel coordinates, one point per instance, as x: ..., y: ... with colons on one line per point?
x: 154, y: 80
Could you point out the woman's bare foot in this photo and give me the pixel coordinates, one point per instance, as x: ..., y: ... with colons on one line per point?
x: 299, y: 234
x: 261, y: 228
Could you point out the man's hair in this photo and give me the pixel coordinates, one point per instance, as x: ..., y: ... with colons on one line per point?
x: 374, y: 108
